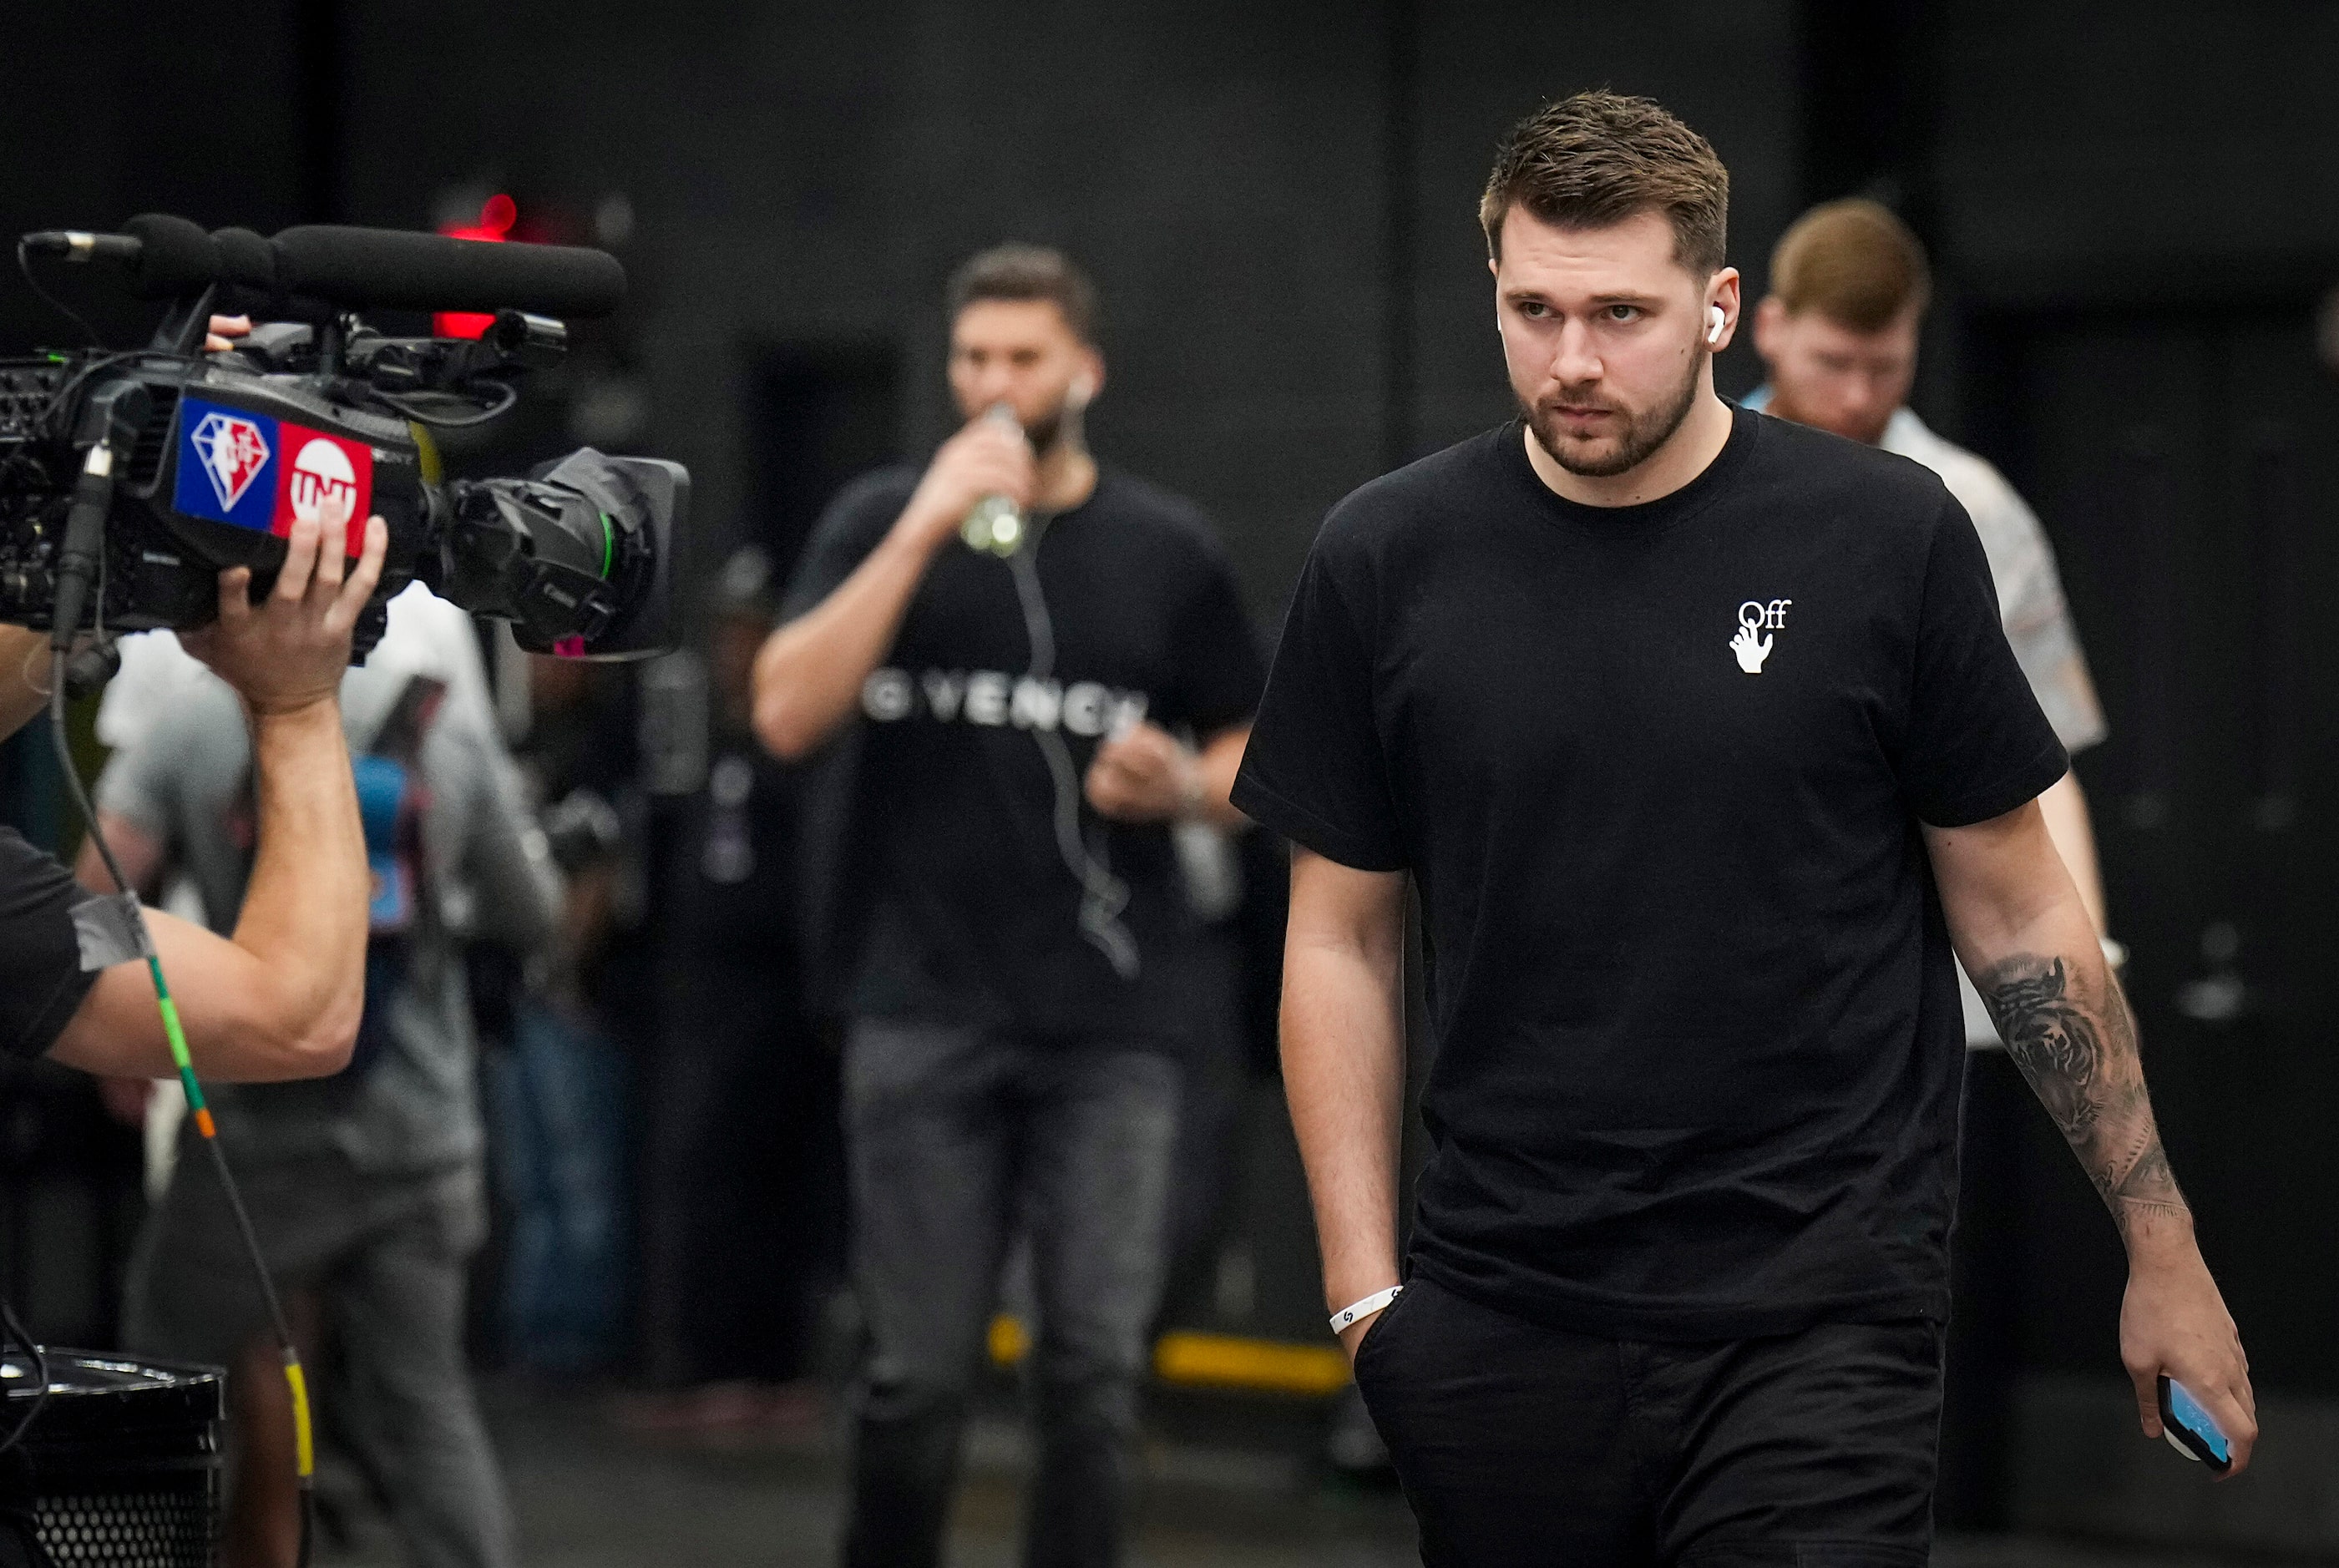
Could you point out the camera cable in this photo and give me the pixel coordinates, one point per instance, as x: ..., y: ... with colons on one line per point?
x: 296, y: 1380
x: 39, y: 1358
x: 409, y: 408
x: 25, y: 265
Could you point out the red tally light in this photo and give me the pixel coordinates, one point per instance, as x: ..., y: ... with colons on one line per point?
x: 497, y: 215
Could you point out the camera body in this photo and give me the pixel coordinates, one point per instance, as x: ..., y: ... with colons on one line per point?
x: 129, y: 480
x: 221, y: 466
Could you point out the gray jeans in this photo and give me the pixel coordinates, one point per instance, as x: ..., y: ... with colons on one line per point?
x: 387, y: 1258
x: 959, y: 1141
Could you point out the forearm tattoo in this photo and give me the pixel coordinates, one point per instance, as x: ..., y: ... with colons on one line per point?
x: 2073, y: 1039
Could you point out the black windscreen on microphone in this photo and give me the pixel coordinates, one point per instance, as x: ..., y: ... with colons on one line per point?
x: 246, y: 260
x: 399, y: 270
x: 174, y: 256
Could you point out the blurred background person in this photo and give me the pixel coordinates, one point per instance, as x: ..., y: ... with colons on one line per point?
x: 1838, y: 334
x: 1018, y: 958
x: 742, y: 1181
x: 365, y: 1190
x: 560, y: 1018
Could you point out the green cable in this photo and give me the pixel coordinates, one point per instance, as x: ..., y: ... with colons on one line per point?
x: 177, y: 1036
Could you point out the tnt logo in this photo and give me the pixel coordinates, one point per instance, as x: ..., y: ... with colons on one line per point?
x: 232, y: 452
x: 329, y: 481
x: 324, y: 485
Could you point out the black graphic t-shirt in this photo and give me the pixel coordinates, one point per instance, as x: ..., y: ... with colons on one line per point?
x: 1658, y: 772
x: 42, y: 982
x: 979, y: 887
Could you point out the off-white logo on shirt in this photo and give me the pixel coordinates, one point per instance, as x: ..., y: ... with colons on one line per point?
x: 1755, y: 622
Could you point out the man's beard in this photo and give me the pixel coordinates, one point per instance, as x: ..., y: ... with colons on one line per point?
x: 1782, y: 404
x: 1044, y: 432
x: 1643, y: 433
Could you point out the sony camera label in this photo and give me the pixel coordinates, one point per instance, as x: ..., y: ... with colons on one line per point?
x: 265, y: 474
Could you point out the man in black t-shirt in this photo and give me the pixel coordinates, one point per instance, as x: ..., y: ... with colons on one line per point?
x: 1015, y: 956
x: 279, y: 997
x: 1700, y: 740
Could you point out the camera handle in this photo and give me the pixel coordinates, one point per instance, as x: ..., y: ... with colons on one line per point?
x: 109, y: 424
x: 184, y: 324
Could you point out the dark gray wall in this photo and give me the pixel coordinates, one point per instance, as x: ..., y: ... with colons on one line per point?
x: 115, y: 107
x: 2087, y: 147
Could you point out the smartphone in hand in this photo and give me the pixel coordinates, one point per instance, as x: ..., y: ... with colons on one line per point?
x: 2189, y: 1428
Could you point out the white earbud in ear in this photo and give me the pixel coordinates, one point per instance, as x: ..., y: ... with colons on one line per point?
x: 1082, y: 390
x: 1717, y: 322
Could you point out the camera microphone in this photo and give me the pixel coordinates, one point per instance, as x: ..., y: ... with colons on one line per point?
x: 398, y: 271
x: 166, y: 257
x: 163, y: 257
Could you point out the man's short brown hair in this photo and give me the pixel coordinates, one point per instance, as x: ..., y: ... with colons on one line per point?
x: 1854, y: 262
x: 1028, y: 272
x: 1600, y: 158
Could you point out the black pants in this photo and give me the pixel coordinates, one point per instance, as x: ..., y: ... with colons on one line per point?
x: 743, y: 1183
x: 1521, y: 1444
x: 959, y: 1139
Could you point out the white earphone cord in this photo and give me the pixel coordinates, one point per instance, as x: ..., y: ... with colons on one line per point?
x: 1103, y: 895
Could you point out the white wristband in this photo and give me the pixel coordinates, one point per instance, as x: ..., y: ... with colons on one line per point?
x: 1371, y: 1304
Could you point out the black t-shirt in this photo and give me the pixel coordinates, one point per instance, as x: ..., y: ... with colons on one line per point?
x: 42, y: 982
x: 730, y: 879
x: 982, y: 888
x: 1658, y: 772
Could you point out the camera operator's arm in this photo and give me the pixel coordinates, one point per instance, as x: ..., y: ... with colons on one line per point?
x: 23, y: 676
x: 808, y: 676
x: 280, y: 998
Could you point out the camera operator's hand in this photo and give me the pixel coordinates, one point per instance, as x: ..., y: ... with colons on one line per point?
x: 223, y: 328
x: 988, y: 457
x: 289, y: 651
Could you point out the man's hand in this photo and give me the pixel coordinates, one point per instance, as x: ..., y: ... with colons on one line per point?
x: 223, y: 328
x: 809, y: 674
x: 2173, y: 1321
x: 289, y: 652
x: 1144, y: 775
x: 988, y: 457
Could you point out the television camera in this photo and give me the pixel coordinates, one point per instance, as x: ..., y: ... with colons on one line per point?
x: 129, y: 479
